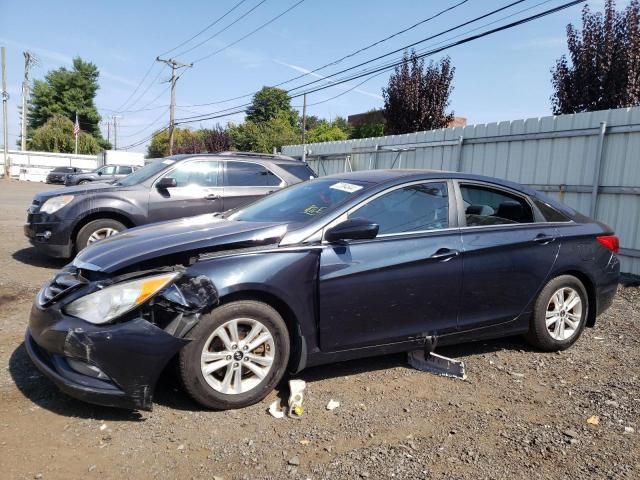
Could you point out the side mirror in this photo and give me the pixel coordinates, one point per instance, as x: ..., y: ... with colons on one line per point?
x: 352, y: 229
x: 99, y: 172
x: 166, y: 182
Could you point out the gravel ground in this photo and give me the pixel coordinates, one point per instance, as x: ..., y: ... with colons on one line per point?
x: 520, y: 414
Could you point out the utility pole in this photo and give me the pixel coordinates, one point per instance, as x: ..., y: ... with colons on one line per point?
x: 108, y: 131
x: 174, y: 64
x: 5, y: 127
x: 115, y: 131
x: 304, y: 128
x: 29, y: 60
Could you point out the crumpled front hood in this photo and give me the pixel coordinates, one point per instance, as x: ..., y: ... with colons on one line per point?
x: 201, y: 233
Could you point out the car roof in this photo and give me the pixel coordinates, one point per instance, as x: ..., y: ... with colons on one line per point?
x: 394, y: 175
x: 257, y: 157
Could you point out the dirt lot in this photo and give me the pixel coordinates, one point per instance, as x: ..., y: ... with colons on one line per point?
x: 521, y: 413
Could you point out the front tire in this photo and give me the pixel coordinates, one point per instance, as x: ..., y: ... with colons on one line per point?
x: 560, y: 314
x: 84, y: 182
x: 238, y: 354
x: 97, y: 230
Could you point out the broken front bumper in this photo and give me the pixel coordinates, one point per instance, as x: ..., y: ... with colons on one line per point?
x: 115, y: 365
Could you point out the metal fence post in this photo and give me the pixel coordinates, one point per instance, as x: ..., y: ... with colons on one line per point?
x: 459, y: 154
x: 597, y: 170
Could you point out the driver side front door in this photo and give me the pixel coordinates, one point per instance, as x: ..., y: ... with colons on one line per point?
x: 400, y: 286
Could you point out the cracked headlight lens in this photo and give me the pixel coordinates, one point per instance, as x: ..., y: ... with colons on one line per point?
x: 111, y: 302
x: 56, y: 203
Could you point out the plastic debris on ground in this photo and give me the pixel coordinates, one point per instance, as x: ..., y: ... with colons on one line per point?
x: 296, y: 396
x: 333, y: 404
x: 437, y: 364
x: 275, y: 410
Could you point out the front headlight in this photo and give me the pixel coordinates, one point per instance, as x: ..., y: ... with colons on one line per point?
x: 56, y: 203
x: 105, y: 305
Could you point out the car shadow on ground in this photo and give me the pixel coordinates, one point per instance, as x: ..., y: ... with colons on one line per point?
x: 37, y: 388
x: 31, y: 256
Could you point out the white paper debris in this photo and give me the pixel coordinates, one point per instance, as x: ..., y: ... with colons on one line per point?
x: 333, y: 404
x: 275, y: 410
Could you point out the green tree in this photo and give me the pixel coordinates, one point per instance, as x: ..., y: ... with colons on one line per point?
x: 268, y: 103
x: 326, y: 132
x: 417, y: 96
x: 185, y: 140
x: 56, y: 135
x: 263, y: 136
x: 67, y: 92
x: 603, y: 70
x: 367, y: 130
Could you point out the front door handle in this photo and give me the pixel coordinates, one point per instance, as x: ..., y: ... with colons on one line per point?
x: 543, y: 239
x: 445, y: 254
x: 212, y: 196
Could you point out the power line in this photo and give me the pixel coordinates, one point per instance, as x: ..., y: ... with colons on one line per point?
x: 394, y: 64
x: 250, y: 33
x: 215, y: 22
x: 137, y: 87
x: 388, y: 54
x: 244, y: 15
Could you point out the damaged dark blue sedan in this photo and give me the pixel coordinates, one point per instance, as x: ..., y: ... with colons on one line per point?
x: 346, y: 266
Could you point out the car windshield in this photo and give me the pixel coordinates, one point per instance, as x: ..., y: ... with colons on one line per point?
x: 300, y: 203
x: 145, y: 172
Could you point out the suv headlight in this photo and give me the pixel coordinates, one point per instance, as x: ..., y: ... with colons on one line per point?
x: 56, y: 203
x: 105, y: 305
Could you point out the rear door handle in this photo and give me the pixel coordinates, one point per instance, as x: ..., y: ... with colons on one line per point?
x: 543, y: 239
x: 445, y: 254
x: 212, y: 196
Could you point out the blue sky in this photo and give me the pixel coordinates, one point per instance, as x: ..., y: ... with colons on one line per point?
x: 502, y: 77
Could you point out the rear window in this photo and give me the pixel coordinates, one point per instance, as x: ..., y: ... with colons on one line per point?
x: 63, y: 170
x: 549, y: 213
x: 302, y: 171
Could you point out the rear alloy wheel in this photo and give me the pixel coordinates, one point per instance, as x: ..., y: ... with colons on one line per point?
x: 84, y: 182
x: 560, y: 314
x: 97, y: 230
x: 238, y: 355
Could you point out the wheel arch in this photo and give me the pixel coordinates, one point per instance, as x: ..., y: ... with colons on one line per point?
x: 297, y: 358
x: 100, y: 215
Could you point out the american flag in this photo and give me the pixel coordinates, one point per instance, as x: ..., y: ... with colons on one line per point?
x: 76, y: 128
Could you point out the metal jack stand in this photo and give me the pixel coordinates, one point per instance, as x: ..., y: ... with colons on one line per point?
x: 427, y: 361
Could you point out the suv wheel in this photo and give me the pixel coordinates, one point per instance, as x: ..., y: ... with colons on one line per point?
x: 559, y: 315
x: 83, y: 182
x: 238, y: 354
x: 97, y: 230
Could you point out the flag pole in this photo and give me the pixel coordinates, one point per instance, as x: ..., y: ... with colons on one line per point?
x: 75, y: 132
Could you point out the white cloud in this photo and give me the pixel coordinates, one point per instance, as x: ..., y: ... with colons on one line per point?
x: 342, y: 86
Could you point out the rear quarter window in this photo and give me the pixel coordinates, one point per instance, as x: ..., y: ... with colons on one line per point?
x: 549, y: 213
x: 302, y: 171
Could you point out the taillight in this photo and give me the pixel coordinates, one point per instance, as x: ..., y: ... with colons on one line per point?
x: 610, y: 242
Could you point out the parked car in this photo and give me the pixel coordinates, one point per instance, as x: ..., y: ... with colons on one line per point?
x: 107, y: 173
x: 60, y: 222
x: 340, y: 267
x: 60, y: 174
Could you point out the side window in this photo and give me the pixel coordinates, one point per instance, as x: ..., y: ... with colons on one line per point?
x: 108, y: 170
x: 409, y: 209
x: 549, y: 213
x: 244, y: 174
x: 487, y: 206
x: 198, y: 173
x: 124, y: 170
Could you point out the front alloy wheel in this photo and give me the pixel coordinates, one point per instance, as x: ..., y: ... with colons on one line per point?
x: 237, y: 355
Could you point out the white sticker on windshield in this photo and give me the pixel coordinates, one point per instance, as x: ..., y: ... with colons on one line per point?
x: 168, y: 161
x: 346, y: 187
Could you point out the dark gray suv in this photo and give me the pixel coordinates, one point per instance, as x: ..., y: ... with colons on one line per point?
x: 63, y: 221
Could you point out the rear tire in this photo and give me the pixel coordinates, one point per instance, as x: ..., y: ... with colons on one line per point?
x: 560, y: 314
x: 84, y: 182
x: 223, y: 377
x: 97, y: 230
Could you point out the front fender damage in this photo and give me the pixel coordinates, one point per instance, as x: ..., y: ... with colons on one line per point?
x: 132, y: 354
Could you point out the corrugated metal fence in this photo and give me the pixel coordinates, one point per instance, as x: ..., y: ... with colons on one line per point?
x: 591, y: 161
